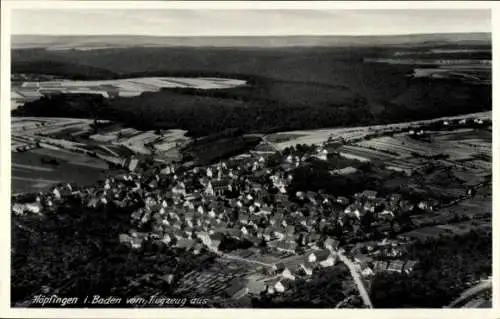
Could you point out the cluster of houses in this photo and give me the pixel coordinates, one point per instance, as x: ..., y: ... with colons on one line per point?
x: 463, y: 121
x: 450, y: 123
x: 249, y: 202
x: 245, y: 200
x: 284, y: 274
x: 381, y: 256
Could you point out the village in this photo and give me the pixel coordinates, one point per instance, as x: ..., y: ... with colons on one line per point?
x: 266, y: 235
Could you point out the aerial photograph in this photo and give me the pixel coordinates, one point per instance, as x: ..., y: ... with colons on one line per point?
x: 251, y: 158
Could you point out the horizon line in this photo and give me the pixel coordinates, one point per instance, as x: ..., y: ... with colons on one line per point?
x: 261, y: 35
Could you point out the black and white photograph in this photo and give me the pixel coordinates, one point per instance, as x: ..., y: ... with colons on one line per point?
x: 282, y: 157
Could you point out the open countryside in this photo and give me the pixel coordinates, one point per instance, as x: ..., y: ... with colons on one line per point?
x: 254, y: 172
x: 25, y: 90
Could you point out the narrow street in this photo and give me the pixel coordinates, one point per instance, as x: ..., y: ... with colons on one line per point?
x: 352, y: 269
x: 355, y: 276
x: 227, y: 256
x: 471, y: 292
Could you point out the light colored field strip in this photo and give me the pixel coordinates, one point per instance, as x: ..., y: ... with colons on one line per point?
x: 34, y: 179
x: 43, y: 184
x: 100, y: 165
x: 233, y: 257
x: 15, y: 170
x: 32, y: 167
x: 321, y: 135
x: 133, y: 86
x: 109, y: 150
x: 62, y: 154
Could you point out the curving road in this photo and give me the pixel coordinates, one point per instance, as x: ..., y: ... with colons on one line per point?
x: 352, y: 269
x: 233, y: 257
x: 357, y: 279
x: 273, y: 145
x: 227, y: 256
x: 471, y: 292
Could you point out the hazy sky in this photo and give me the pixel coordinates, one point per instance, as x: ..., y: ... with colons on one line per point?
x: 182, y: 22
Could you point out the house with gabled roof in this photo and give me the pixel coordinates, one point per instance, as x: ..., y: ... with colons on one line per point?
x: 306, y: 269
x: 328, y: 262
x: 166, y: 239
x: 362, y: 260
x: 215, y: 240
x: 314, y: 238
x: 426, y: 205
x: 188, y: 231
x: 260, y: 232
x: 395, y: 266
x: 317, y: 256
x: 301, y: 238
x: 255, y: 284
x: 290, y: 230
x: 266, y: 209
x: 279, y: 267
x: 197, y: 248
x: 267, y: 234
x: 283, y: 285
x: 253, y: 239
x: 124, y: 238
x: 244, y: 231
x: 237, y: 289
x: 367, y: 271
x: 168, y: 278
x: 185, y: 243
x: 278, y: 232
x: 287, y: 273
x: 380, y: 265
x: 409, y: 266
x: 178, y: 234
x: 330, y: 244
x: 271, y: 286
x: 279, y: 285
x: 289, y: 247
x: 244, y: 218
x: 370, y: 194
x: 232, y: 232
x: 204, y: 236
x: 220, y: 186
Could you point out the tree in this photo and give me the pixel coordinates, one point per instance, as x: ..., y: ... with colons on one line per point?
x: 446, y: 266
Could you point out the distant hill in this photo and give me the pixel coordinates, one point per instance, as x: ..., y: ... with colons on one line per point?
x: 83, y: 42
x: 290, y: 88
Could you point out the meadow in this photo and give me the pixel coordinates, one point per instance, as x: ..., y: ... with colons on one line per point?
x: 30, y: 174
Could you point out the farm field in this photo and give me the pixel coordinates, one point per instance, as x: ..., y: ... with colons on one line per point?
x: 123, y: 87
x: 287, y: 88
x: 114, y: 143
x: 142, y: 142
x: 480, y: 204
x: 459, y: 229
x: 29, y: 174
x: 319, y: 136
x: 25, y: 126
x: 114, y: 137
x: 365, y: 154
x: 72, y: 158
x: 467, y: 148
x: 401, y: 146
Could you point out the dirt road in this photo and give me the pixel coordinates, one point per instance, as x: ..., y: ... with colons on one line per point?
x: 357, y: 279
